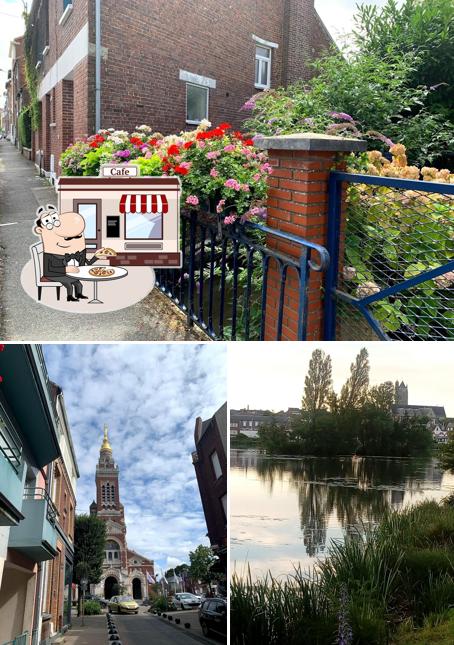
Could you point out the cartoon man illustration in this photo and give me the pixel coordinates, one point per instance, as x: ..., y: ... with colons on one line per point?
x: 64, y: 248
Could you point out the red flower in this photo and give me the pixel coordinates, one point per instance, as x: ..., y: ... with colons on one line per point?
x: 248, y: 142
x: 181, y: 170
x: 94, y: 144
x: 238, y: 134
x: 2, y: 347
x: 166, y: 167
x: 224, y: 126
x: 152, y: 142
x: 173, y: 150
x: 188, y: 144
x: 201, y: 135
x: 136, y: 141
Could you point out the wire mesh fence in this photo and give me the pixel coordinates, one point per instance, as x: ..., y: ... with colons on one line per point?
x: 396, y: 267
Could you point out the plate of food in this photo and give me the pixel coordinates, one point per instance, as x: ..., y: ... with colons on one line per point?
x: 101, y: 272
x: 106, y: 251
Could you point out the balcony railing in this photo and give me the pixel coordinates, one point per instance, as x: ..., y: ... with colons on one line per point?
x: 10, y: 444
x: 41, y: 493
x: 19, y: 640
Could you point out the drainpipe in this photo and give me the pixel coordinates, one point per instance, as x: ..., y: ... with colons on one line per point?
x: 97, y: 65
x: 41, y: 578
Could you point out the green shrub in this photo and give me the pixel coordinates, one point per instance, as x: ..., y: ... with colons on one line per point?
x: 24, y: 127
x: 161, y: 604
x: 92, y: 608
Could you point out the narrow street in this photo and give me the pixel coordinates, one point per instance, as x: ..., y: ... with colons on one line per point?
x: 21, y: 318
x: 147, y: 628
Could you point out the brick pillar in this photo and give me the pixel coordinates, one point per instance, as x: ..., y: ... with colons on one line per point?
x: 298, y: 204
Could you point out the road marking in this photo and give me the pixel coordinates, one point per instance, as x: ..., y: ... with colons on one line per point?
x: 9, y: 224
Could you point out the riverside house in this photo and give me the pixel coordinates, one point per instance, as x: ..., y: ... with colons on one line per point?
x: 169, y: 65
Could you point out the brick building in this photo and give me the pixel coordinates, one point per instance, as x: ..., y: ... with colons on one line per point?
x: 248, y: 421
x: 124, y: 570
x: 210, y: 463
x: 165, y: 64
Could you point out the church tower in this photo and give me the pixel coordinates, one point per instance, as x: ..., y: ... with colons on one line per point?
x: 401, y: 393
x: 124, y: 571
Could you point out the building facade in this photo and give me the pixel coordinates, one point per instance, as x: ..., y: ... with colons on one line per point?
x: 248, y: 421
x: 124, y: 571
x: 210, y: 464
x: 165, y: 64
x: 36, y: 523
x: 402, y: 408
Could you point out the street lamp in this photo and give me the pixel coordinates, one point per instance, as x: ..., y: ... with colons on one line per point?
x: 83, y: 584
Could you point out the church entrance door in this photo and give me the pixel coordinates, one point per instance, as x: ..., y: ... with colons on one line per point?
x: 136, y: 589
x: 110, y: 587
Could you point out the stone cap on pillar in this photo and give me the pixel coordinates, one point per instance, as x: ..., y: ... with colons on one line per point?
x: 310, y: 141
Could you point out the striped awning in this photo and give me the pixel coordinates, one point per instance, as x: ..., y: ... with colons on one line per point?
x: 156, y: 203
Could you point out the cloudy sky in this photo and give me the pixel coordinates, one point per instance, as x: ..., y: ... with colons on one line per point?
x: 149, y: 396
x: 275, y: 379
x: 336, y: 14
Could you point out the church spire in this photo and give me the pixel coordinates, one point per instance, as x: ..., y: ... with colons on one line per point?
x: 105, y: 444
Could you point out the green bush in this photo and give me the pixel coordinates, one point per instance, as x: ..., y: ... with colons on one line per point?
x: 161, y: 604
x: 24, y: 128
x: 92, y: 608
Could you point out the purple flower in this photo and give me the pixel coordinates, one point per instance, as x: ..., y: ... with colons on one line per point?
x: 341, y: 115
x: 230, y: 219
x: 309, y: 121
x: 123, y: 153
x: 249, y: 105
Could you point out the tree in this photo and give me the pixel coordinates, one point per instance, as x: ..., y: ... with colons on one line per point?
x: 273, y: 438
x: 382, y: 396
x: 318, y: 382
x: 422, y: 29
x: 354, y: 391
x: 89, y: 548
x: 201, y: 560
x: 447, y: 453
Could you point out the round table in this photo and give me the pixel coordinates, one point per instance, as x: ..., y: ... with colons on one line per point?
x: 83, y: 274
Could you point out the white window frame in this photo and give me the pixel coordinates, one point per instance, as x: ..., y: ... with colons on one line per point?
x: 262, y: 60
x: 216, y: 465
x: 203, y: 87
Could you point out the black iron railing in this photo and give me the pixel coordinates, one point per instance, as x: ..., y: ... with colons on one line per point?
x: 41, y: 493
x: 222, y: 285
x: 10, y: 443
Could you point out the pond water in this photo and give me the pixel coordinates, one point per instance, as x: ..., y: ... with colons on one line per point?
x: 286, y: 510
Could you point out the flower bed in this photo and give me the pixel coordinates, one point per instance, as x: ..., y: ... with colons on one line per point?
x: 218, y: 167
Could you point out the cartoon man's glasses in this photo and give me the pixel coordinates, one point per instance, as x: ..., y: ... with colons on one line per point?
x: 49, y: 221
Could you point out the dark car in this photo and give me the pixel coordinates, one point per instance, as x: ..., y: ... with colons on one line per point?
x: 213, y: 616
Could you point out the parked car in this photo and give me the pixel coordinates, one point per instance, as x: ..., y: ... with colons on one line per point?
x: 213, y: 616
x: 123, y: 605
x: 186, y: 601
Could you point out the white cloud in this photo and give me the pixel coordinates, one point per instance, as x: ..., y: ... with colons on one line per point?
x: 149, y: 396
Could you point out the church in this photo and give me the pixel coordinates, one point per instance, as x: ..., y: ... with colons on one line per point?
x: 124, y: 571
x: 402, y: 408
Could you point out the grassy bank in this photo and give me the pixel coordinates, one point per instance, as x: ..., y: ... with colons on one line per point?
x: 395, y: 585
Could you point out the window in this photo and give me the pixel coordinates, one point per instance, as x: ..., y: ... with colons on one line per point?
x: 216, y: 464
x: 91, y: 212
x: 143, y: 226
x: 224, y: 505
x: 262, y: 67
x: 112, y: 550
x: 196, y: 103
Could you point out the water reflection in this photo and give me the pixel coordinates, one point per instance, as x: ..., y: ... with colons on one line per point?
x: 334, y: 496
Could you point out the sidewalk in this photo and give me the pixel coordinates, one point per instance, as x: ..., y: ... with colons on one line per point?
x: 94, y: 632
x: 21, y: 318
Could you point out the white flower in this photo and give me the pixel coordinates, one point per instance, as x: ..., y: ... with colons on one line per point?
x: 144, y: 128
x: 204, y: 124
x: 444, y: 281
x: 349, y: 273
x: 367, y: 289
x: 116, y: 139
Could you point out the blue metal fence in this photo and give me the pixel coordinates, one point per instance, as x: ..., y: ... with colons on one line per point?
x: 393, y: 277
x: 19, y: 640
x: 222, y: 285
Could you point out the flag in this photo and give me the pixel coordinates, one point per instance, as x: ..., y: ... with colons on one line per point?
x: 150, y: 578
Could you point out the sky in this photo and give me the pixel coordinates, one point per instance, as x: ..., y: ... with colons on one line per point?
x: 336, y: 14
x: 274, y: 379
x: 149, y: 396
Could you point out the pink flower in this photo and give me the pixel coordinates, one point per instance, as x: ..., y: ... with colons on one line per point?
x: 245, y: 187
x: 201, y: 144
x: 192, y: 199
x: 186, y: 164
x: 266, y: 167
x: 213, y: 154
x: 232, y: 183
x: 214, y: 172
x: 230, y: 219
x: 229, y: 148
x: 220, y: 206
x: 257, y: 177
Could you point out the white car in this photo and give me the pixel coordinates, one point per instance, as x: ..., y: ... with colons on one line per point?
x: 186, y: 601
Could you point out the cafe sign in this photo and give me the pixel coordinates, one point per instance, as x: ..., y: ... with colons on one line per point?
x: 118, y: 170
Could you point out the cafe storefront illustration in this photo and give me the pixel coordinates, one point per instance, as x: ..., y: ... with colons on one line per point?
x: 137, y: 217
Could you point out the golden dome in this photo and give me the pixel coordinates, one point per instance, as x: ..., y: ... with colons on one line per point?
x: 105, y: 444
